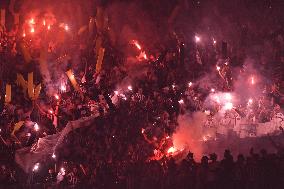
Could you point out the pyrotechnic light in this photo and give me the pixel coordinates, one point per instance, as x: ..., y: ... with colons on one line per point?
x: 181, y: 101
x: 63, y: 88
x: 32, y: 21
x: 36, y: 166
x: 172, y: 150
x: 167, y: 137
x: 24, y: 34
x: 62, y: 171
x: 36, y: 127
x: 214, y: 41
x: 228, y: 106
x: 226, y: 63
x: 250, y: 101
x: 50, y: 111
x: 217, y: 98
x: 189, y: 84
x: 142, y: 130
x: 197, y: 39
x: 66, y: 27
x: 144, y: 55
x: 212, y: 90
x: 56, y: 96
x: 252, y: 80
x: 129, y: 87
x: 48, y: 27
x: 137, y: 44
x: 228, y: 96
x: 53, y: 156
x: 218, y: 68
x: 32, y: 30
x: 207, y: 112
x: 44, y: 22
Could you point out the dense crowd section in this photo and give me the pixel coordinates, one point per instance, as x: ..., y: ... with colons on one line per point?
x: 137, y: 105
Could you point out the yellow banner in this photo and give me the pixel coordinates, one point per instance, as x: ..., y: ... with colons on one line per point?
x: 37, y: 91
x: 3, y: 17
x: 100, y: 60
x: 17, y: 127
x: 72, y: 79
x: 25, y: 52
x: 8, y: 95
x: 31, y: 85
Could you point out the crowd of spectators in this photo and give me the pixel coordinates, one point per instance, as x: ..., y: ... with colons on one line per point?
x: 135, y: 119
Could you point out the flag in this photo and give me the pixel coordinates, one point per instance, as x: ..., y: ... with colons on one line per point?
x: 25, y: 52
x: 28, y: 156
x: 3, y: 17
x: 37, y: 92
x: 31, y: 85
x: 72, y: 79
x: 17, y: 126
x: 100, y: 60
x: 8, y: 95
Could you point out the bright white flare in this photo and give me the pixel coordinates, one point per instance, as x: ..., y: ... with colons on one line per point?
x: 197, y: 39
x: 228, y: 96
x: 36, y: 127
x: 228, y: 106
x: 172, y: 150
x: 36, y: 166
x: 181, y: 101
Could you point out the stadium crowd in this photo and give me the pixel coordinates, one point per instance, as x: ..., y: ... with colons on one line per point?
x: 136, y: 114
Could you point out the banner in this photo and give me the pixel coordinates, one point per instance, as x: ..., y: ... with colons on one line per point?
x: 31, y: 85
x: 3, y: 17
x: 8, y: 95
x: 46, y: 146
x: 72, y: 79
x: 37, y: 92
x: 16, y: 18
x: 25, y: 52
x: 100, y: 19
x: 100, y: 60
x: 17, y: 127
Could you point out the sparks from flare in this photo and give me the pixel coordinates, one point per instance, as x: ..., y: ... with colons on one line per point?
x: 32, y: 21
x: 66, y: 27
x: 36, y: 166
x: 181, y: 101
x: 36, y: 127
x: 197, y: 39
x: 252, y: 80
x: 56, y: 96
x: 228, y: 106
x: 137, y: 44
x: 171, y: 150
x: 63, y: 88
